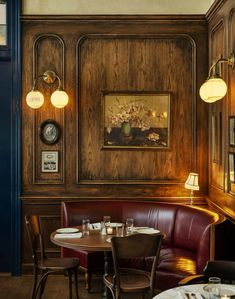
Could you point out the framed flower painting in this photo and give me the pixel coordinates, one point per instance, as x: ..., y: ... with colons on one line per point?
x: 136, y: 120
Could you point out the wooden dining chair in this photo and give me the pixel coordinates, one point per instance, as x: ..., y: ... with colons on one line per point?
x: 47, y: 266
x: 130, y: 280
x: 225, y: 270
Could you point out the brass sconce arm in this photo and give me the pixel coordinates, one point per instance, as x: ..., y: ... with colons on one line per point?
x: 215, y: 88
x: 213, y: 69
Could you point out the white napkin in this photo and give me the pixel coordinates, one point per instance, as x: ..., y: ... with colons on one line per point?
x: 68, y: 236
x: 96, y: 225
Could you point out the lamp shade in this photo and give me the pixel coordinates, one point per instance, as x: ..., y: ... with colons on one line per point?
x: 59, y: 98
x: 34, y: 99
x: 192, y: 182
x: 213, y: 90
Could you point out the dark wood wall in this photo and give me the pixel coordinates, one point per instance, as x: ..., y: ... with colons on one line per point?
x: 116, y: 53
x: 221, y: 20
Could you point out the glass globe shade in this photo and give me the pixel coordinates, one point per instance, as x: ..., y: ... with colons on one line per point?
x: 59, y: 98
x: 35, y: 99
x: 213, y: 90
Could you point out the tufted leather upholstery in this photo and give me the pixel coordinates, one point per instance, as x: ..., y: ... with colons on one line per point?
x: 185, y: 249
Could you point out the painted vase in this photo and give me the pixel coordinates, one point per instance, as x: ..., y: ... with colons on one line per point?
x: 126, y: 129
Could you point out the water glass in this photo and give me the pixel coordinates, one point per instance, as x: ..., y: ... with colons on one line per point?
x: 214, y: 287
x: 119, y: 230
x: 129, y: 225
x: 106, y: 220
x: 85, y: 227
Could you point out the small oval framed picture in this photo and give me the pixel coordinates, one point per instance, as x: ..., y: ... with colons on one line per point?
x: 49, y: 131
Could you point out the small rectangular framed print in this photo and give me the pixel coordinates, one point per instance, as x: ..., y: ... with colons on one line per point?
x: 231, y: 164
x: 232, y: 130
x: 50, y: 161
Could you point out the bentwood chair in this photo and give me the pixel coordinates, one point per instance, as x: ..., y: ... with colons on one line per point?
x: 130, y: 280
x: 225, y: 270
x: 47, y: 266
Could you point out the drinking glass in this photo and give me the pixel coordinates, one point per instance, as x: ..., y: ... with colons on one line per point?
x: 129, y: 225
x: 106, y: 220
x: 119, y: 230
x: 214, y: 287
x: 85, y: 227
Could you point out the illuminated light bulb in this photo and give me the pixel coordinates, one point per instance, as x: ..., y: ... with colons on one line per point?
x: 213, y: 90
x: 35, y: 99
x: 59, y: 98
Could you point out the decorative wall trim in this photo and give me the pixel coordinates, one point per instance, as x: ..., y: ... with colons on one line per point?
x: 38, y: 114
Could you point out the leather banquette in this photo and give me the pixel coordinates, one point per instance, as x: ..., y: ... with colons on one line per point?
x: 187, y: 229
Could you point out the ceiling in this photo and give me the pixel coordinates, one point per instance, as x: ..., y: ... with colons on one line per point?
x: 95, y: 7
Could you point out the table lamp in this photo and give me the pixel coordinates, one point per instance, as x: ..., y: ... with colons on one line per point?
x: 192, y: 184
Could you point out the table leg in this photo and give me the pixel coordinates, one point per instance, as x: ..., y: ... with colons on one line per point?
x: 107, y: 262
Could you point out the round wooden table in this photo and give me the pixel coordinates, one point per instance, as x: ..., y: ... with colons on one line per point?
x: 94, y: 242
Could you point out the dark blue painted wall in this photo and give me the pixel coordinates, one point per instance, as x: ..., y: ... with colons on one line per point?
x: 9, y: 144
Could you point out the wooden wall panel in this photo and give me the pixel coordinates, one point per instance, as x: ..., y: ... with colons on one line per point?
x: 48, y: 54
x: 91, y: 55
x: 216, y: 112
x: 222, y: 41
x: 126, y: 64
x: 115, y: 53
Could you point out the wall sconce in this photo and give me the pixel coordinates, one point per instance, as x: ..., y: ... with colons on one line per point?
x: 59, y: 97
x: 214, y: 88
x: 192, y: 184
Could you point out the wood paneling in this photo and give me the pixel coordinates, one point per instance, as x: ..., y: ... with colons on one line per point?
x: 112, y: 53
x: 222, y: 41
x: 130, y: 63
x: 131, y: 54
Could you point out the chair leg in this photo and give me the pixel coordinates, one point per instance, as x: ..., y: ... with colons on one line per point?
x: 76, y: 282
x: 88, y: 281
x: 35, y: 278
x: 43, y: 283
x: 70, y: 284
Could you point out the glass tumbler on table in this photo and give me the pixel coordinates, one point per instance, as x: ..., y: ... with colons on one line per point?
x: 214, y: 287
x: 120, y: 230
x: 106, y: 221
x: 129, y: 225
x: 85, y: 227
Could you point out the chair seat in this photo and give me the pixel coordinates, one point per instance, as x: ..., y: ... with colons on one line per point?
x: 131, y: 281
x: 59, y: 264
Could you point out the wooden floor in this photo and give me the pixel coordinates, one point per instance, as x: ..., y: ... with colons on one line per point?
x: 56, y: 288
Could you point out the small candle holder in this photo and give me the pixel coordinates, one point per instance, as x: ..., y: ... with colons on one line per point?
x: 109, y: 230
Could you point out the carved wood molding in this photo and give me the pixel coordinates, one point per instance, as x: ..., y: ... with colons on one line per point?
x: 39, y: 67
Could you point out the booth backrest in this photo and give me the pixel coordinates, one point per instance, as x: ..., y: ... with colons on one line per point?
x: 183, y: 226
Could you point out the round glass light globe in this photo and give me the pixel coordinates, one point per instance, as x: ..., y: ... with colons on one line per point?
x: 35, y: 99
x: 59, y: 98
x: 213, y: 90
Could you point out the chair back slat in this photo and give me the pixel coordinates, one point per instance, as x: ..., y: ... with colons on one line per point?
x: 33, y: 227
x: 135, y: 246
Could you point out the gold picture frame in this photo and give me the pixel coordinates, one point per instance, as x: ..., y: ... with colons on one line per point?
x: 136, y: 120
x: 3, y: 23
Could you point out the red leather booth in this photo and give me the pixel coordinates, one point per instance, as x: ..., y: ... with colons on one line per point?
x: 188, y: 234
